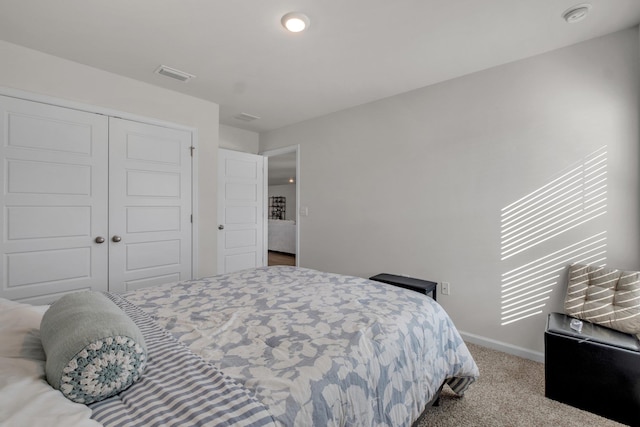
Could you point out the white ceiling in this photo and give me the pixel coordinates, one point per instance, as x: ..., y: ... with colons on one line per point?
x: 354, y: 52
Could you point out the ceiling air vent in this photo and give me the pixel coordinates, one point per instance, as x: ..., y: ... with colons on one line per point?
x: 246, y: 117
x: 163, y: 70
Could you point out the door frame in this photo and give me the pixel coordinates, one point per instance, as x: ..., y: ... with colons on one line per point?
x: 276, y: 152
x: 59, y: 102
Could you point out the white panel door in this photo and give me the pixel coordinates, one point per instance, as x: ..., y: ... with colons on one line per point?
x: 149, y: 204
x: 240, y: 211
x: 54, y: 200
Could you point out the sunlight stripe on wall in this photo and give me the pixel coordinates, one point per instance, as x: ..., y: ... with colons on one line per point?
x: 576, y: 197
x: 525, y: 289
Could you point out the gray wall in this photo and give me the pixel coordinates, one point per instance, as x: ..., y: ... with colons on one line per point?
x: 416, y: 184
x: 237, y: 139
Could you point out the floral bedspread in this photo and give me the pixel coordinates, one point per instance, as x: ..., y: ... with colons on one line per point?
x: 318, y: 348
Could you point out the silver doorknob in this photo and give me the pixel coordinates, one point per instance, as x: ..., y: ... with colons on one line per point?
x: 116, y: 238
x: 99, y: 239
x: 221, y: 227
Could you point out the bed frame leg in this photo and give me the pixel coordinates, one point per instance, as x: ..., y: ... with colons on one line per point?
x: 437, y: 401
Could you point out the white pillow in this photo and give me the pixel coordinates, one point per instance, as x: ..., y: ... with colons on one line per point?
x: 27, y: 399
x: 20, y: 330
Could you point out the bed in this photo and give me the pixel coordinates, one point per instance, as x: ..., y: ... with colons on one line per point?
x: 295, y: 346
x: 282, y: 235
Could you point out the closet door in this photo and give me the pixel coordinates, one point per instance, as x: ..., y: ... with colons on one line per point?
x: 54, y: 200
x: 149, y: 205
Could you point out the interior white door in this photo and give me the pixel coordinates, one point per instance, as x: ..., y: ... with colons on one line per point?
x: 240, y: 211
x: 54, y: 179
x: 149, y: 204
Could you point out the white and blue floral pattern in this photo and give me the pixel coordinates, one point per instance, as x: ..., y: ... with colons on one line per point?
x: 102, y: 369
x: 318, y: 348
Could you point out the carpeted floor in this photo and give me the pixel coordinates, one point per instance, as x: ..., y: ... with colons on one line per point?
x: 510, y: 392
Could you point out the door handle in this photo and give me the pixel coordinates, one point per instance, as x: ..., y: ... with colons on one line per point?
x: 99, y: 239
x: 221, y: 227
x: 116, y: 238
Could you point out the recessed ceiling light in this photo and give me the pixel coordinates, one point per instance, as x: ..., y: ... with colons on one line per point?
x: 295, y: 22
x: 576, y: 13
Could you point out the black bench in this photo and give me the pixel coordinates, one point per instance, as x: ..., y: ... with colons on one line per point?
x: 597, y: 369
x: 418, y: 285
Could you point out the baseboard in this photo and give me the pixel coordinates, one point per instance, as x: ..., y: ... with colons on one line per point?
x: 504, y: 347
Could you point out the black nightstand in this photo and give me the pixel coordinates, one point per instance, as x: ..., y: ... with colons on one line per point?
x: 418, y: 285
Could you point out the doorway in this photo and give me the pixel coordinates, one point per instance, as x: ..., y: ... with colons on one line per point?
x: 282, y: 235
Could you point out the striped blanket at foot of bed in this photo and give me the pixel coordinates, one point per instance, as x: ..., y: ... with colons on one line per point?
x: 178, y: 388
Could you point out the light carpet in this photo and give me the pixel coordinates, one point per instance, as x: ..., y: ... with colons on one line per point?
x: 509, y: 392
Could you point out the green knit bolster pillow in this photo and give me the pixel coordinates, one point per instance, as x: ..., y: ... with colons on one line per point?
x: 94, y: 350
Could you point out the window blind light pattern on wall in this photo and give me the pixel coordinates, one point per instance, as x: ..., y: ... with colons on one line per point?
x: 525, y: 289
x: 576, y: 197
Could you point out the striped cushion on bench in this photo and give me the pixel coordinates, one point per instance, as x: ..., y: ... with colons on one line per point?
x: 605, y: 296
